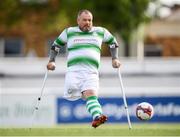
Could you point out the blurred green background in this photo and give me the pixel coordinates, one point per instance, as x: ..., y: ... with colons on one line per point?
x: 46, y: 18
x: 38, y: 22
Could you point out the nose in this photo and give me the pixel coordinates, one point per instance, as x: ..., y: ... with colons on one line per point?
x: 87, y: 21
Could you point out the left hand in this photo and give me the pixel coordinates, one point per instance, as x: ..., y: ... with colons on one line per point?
x: 116, y: 63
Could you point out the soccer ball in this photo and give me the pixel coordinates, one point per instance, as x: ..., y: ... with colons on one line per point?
x: 144, y: 111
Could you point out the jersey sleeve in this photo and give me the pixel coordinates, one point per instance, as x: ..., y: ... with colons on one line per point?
x: 109, y: 38
x: 62, y: 38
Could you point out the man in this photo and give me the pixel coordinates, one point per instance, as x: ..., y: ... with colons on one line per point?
x: 84, y: 45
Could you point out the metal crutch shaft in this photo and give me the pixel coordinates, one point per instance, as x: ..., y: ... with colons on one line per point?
x: 124, y: 98
x: 39, y: 98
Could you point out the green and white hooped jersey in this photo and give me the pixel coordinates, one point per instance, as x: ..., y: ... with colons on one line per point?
x: 84, y: 48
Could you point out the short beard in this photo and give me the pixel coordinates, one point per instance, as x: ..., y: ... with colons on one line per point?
x: 85, y: 30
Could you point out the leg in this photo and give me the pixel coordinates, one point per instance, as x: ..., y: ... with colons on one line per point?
x: 94, y: 108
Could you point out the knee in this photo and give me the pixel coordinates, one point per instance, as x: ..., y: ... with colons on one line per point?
x: 88, y: 93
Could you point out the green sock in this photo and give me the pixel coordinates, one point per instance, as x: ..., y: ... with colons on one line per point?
x: 93, y: 106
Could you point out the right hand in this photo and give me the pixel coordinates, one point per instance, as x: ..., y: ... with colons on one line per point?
x: 51, y: 66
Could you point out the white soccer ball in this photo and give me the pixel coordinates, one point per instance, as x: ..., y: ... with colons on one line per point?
x: 144, y: 111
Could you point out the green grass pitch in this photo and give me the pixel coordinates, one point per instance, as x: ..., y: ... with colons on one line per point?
x: 104, y: 130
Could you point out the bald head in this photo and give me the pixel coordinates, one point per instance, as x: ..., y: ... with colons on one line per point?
x: 84, y: 20
x: 83, y: 11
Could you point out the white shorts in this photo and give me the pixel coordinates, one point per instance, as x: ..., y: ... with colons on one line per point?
x: 78, y: 81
